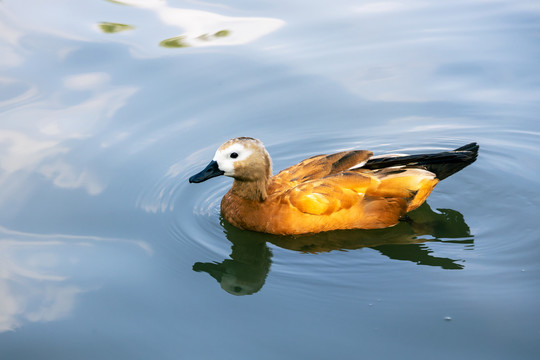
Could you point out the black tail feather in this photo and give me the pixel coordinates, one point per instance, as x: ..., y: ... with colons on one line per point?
x: 473, y: 147
x: 442, y: 164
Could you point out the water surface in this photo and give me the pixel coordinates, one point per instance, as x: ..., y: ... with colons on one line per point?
x: 107, y: 108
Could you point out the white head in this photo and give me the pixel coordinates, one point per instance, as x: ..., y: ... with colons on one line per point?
x: 231, y: 153
x: 242, y: 158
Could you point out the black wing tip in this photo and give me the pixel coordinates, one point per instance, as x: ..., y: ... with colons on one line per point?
x: 471, y: 150
x: 472, y: 147
x: 442, y: 164
x: 462, y: 157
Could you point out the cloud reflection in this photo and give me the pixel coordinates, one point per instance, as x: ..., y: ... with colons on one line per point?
x: 203, y: 28
x: 34, y: 138
x: 42, y: 275
x: 382, y: 7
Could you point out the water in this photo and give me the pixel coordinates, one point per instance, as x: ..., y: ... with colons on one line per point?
x: 107, y: 107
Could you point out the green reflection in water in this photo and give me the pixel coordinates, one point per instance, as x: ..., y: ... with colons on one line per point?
x: 181, y: 41
x: 222, y: 33
x: 219, y: 34
x: 111, y: 28
x: 118, y: 2
x: 175, y: 42
x: 246, y: 270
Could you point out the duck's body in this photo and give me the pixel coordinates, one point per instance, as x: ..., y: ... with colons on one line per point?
x: 346, y: 190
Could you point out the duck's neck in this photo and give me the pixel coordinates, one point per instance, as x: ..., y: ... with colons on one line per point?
x: 250, y: 190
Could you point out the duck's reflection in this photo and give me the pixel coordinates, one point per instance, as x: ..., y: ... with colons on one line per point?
x: 246, y: 270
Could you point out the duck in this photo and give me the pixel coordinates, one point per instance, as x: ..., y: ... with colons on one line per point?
x: 341, y: 191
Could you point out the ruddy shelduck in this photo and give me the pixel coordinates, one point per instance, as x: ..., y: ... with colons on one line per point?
x: 345, y: 190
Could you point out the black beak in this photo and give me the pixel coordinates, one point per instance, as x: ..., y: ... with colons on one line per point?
x: 210, y: 171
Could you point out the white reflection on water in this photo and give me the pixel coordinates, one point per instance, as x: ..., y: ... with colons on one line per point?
x: 41, y: 275
x: 384, y: 7
x: 203, y: 28
x: 34, y: 137
x: 10, y: 37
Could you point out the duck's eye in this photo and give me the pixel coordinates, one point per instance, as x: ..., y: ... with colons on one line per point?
x: 234, y: 155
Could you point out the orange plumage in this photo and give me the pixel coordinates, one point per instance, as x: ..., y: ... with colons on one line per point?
x: 346, y: 190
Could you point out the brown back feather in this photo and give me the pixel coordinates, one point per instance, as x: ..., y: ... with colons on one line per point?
x: 320, y: 166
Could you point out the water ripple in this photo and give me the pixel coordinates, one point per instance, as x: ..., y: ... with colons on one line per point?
x: 439, y: 238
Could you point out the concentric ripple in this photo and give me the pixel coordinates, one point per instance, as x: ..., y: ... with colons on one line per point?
x: 446, y: 238
x: 189, y: 212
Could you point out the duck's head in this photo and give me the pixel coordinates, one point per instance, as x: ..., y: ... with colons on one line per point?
x: 244, y: 159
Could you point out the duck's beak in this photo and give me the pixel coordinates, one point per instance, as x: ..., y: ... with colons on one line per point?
x: 210, y: 171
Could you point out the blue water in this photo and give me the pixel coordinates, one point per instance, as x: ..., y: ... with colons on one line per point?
x: 107, y: 108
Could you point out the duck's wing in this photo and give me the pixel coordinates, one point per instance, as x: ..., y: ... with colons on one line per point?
x: 328, y: 195
x: 394, y: 191
x: 320, y: 166
x: 413, y: 185
x: 442, y: 164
